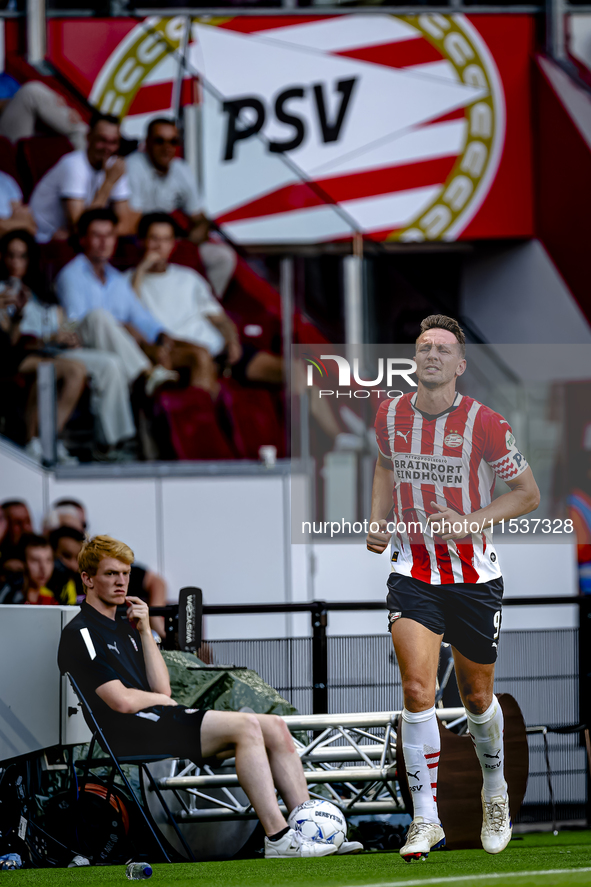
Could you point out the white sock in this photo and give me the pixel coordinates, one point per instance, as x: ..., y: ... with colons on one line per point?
x: 487, y: 735
x: 421, y: 747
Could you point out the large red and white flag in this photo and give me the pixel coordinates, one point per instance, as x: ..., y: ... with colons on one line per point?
x: 314, y: 128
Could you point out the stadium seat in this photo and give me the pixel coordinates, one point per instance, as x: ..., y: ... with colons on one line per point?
x: 117, y: 764
x: 256, y: 418
x: 36, y: 155
x: 193, y: 424
x: 52, y: 258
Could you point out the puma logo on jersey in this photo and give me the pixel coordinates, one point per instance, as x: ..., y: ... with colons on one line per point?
x: 495, y: 757
x: 113, y: 647
x: 402, y: 434
x: 413, y: 775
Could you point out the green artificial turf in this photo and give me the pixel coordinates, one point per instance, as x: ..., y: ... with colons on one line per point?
x: 531, y: 853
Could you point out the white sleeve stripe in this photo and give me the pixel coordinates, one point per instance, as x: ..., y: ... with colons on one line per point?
x: 88, y: 641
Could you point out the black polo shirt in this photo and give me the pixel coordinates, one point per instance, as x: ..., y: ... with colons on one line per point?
x: 95, y: 650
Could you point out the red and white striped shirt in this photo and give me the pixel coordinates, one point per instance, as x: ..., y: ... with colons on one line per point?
x: 453, y: 460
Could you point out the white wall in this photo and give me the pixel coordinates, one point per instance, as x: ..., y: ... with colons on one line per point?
x: 125, y: 509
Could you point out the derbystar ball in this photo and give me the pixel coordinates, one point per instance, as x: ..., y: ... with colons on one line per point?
x: 319, y: 821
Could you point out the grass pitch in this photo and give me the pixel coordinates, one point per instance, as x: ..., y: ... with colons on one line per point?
x: 542, y: 860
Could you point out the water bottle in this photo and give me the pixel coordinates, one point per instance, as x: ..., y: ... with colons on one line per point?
x: 137, y: 871
x: 78, y: 860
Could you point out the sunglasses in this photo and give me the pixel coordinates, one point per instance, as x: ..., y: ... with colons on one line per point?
x: 160, y: 140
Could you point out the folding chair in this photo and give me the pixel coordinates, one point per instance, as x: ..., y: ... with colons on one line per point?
x: 117, y: 761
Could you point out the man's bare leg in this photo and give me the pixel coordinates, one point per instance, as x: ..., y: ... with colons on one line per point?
x: 242, y: 731
x: 485, y: 722
x: 265, y: 367
x: 200, y: 363
x: 475, y: 683
x: 417, y: 650
x: 286, y: 767
x: 72, y: 375
x: 247, y: 735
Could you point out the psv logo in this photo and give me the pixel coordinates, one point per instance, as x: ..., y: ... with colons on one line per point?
x: 454, y: 439
x: 319, y: 97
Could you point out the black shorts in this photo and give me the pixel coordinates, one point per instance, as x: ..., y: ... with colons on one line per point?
x: 160, y: 730
x: 467, y: 614
x: 238, y: 370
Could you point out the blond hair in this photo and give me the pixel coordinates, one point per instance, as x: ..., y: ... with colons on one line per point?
x: 95, y: 550
x: 442, y: 322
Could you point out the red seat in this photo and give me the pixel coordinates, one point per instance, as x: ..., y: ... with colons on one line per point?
x: 8, y: 158
x: 52, y: 258
x: 193, y: 424
x: 36, y: 155
x: 256, y: 415
x: 187, y: 253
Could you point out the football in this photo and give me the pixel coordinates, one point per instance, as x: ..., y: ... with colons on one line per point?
x: 319, y: 821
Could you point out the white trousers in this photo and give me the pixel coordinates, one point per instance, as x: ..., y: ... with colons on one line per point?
x: 113, y: 360
x: 99, y: 329
x: 220, y: 263
x: 36, y: 101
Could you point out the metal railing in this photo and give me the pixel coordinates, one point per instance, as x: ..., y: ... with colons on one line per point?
x: 548, y: 672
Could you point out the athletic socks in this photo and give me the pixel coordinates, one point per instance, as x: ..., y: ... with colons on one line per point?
x: 487, y: 735
x: 278, y: 835
x: 421, y: 748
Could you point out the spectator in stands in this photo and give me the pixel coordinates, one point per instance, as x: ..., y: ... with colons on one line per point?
x: 13, y: 214
x: 82, y: 180
x: 111, y: 319
x: 200, y: 330
x: 35, y: 102
x: 161, y: 182
x: 18, y: 517
x: 65, y: 513
x: 35, y: 334
x: 11, y: 574
x: 38, y: 560
x: 43, y: 321
x: 3, y: 528
x: 65, y: 582
x: 17, y: 520
x: 10, y: 563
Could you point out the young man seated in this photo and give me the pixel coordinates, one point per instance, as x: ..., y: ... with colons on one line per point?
x: 65, y: 582
x: 32, y: 588
x: 204, y: 337
x: 120, y: 670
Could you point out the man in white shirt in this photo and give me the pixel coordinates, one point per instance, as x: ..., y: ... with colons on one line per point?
x: 181, y: 300
x: 13, y: 214
x: 117, y: 331
x: 162, y: 182
x: 82, y: 180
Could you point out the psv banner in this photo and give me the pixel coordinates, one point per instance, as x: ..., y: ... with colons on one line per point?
x: 409, y: 128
